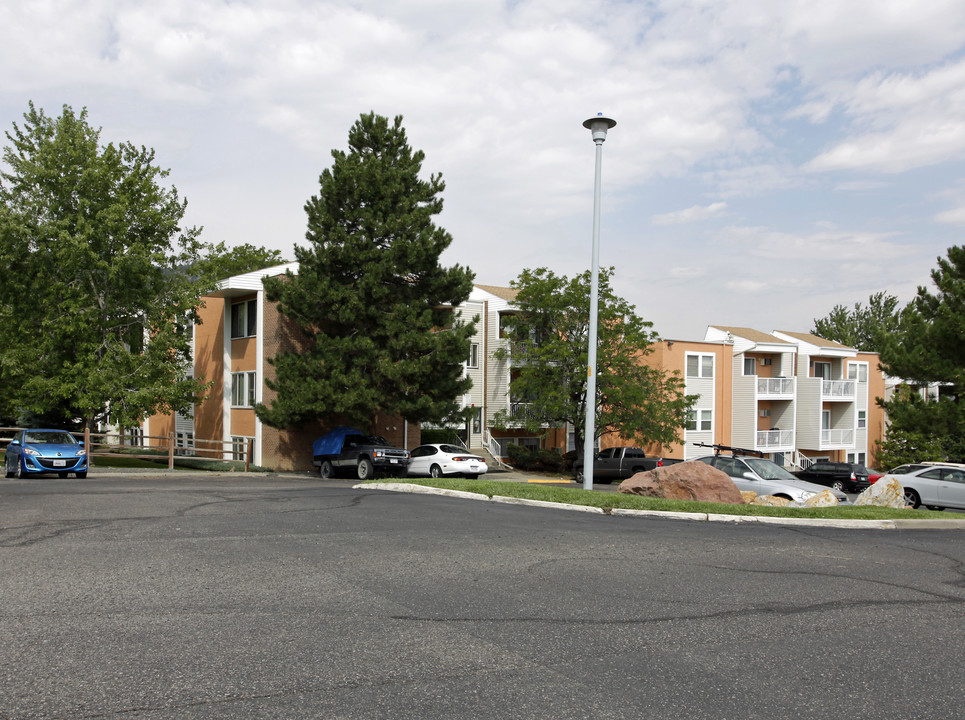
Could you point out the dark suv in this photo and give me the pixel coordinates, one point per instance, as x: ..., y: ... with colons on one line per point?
x: 839, y: 475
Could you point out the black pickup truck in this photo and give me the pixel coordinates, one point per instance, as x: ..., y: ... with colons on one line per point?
x: 346, y: 451
x: 619, y: 463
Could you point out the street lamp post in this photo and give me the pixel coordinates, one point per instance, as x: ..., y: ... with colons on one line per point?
x: 598, y: 126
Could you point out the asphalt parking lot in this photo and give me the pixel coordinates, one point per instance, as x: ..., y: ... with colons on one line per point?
x: 183, y: 596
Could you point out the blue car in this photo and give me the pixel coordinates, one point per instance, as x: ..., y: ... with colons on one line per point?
x: 33, y: 452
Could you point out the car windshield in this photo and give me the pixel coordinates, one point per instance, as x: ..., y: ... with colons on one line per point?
x: 905, y: 469
x: 53, y: 437
x: 768, y: 470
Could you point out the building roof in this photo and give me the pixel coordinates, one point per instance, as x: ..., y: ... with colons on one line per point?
x: 751, y: 334
x: 816, y: 340
x: 505, y: 293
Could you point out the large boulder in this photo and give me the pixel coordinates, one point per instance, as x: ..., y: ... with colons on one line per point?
x: 886, y: 492
x: 770, y: 501
x: 691, y: 480
x: 825, y: 498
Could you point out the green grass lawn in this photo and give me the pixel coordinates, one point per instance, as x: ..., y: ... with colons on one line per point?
x: 608, y: 501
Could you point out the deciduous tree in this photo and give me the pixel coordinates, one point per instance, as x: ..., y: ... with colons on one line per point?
x: 371, y: 300
x: 548, y: 351
x: 98, y: 291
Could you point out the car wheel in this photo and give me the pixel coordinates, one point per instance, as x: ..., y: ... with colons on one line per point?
x: 326, y: 470
x: 81, y: 475
x: 837, y: 485
x: 365, y: 469
x: 578, y: 478
x: 912, y: 498
x: 435, y: 471
x: 18, y: 470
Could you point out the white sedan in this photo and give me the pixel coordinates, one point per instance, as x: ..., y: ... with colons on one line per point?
x: 933, y: 484
x: 437, y: 459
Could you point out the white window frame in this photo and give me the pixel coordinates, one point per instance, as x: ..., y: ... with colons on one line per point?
x: 752, y: 362
x: 247, y: 319
x: 862, y: 419
x: 858, y: 371
x: 699, y: 420
x: 704, y: 365
x: 239, y: 446
x: 244, y: 389
x: 473, y: 356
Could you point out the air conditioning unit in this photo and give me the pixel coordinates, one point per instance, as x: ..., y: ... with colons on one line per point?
x: 767, y: 361
x: 766, y: 412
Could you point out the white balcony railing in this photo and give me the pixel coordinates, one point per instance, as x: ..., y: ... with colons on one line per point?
x: 838, y: 389
x: 775, y: 386
x: 768, y: 439
x: 837, y: 438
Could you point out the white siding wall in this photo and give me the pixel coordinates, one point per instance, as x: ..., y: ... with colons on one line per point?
x: 744, y: 407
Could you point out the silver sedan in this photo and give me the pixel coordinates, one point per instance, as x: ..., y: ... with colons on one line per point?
x: 935, y: 485
x: 766, y: 477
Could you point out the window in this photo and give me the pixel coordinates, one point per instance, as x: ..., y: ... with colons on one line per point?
x: 858, y: 371
x: 701, y: 366
x: 184, y: 443
x: 700, y: 420
x: 862, y: 419
x: 750, y: 366
x: 474, y: 355
x: 134, y: 437
x: 243, y: 389
x: 822, y: 370
x: 239, y: 447
x: 244, y: 319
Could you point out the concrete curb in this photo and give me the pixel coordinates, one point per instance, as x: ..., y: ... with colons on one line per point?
x: 697, y: 517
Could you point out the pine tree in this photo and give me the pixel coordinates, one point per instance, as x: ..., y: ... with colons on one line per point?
x: 372, y: 302
x: 930, y: 348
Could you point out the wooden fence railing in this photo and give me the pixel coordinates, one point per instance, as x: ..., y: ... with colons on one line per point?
x: 125, y: 445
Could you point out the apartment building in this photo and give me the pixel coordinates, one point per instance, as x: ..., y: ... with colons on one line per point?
x: 794, y: 397
x: 239, y: 331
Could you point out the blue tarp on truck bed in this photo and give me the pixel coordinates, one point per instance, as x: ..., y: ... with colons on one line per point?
x: 331, y: 442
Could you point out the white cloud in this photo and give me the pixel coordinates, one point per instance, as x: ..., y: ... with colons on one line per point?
x: 902, y: 121
x: 955, y: 216
x: 726, y: 100
x: 695, y: 213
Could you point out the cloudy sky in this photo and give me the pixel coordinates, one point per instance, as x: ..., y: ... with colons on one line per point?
x: 772, y: 158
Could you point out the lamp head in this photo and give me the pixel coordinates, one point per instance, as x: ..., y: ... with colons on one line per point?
x: 598, y: 126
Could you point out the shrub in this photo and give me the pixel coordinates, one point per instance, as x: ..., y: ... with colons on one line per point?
x: 539, y: 460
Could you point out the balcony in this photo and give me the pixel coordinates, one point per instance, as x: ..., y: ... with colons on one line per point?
x: 770, y: 440
x: 838, y: 390
x: 837, y: 439
x: 775, y: 387
x: 520, y: 413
